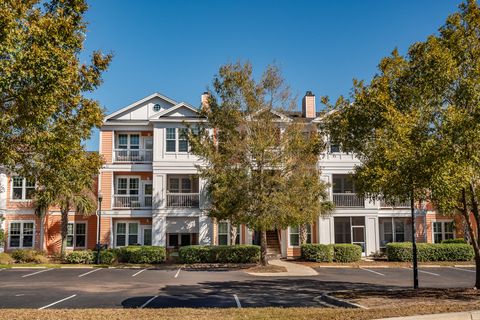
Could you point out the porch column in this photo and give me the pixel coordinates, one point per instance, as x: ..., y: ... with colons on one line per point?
x: 159, y: 229
x: 205, y: 230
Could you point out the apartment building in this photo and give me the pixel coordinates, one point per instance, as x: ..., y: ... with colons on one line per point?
x: 152, y: 194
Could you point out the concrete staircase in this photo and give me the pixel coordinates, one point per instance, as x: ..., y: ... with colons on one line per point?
x: 273, y: 245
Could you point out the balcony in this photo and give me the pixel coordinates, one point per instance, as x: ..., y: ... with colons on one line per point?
x: 131, y: 201
x: 183, y: 200
x: 132, y: 155
x: 348, y: 200
x: 396, y: 204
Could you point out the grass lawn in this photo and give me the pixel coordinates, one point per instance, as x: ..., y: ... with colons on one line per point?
x: 209, y: 314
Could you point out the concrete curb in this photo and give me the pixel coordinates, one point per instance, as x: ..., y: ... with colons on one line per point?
x: 340, y: 302
x: 469, y: 315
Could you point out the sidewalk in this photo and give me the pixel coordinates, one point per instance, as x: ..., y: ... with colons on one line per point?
x: 293, y: 269
x: 469, y: 315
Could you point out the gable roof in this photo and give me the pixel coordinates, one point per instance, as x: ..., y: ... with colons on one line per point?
x: 136, y: 103
x: 176, y: 107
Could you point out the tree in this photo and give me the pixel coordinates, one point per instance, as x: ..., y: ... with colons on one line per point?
x: 415, y: 126
x: 260, y: 166
x: 43, y: 83
x: 69, y: 184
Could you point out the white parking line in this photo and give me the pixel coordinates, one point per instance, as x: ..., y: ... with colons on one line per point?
x: 149, y: 300
x: 380, y: 274
x: 463, y: 269
x: 431, y: 273
x: 32, y: 274
x: 237, y: 301
x: 86, y: 273
x: 56, y: 302
x: 178, y: 272
x: 133, y: 275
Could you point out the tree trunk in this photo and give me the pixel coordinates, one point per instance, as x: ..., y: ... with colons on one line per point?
x: 233, y: 234
x: 303, y: 233
x: 64, y: 229
x: 263, y: 248
x: 476, y: 249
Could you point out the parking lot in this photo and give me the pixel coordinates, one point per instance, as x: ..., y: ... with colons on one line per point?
x: 153, y: 288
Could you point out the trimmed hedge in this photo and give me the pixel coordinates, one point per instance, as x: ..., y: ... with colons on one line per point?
x: 347, y: 252
x: 317, y: 252
x: 29, y: 256
x: 456, y: 240
x: 142, y: 254
x: 220, y: 254
x: 402, y: 251
x: 344, y: 252
x: 80, y: 256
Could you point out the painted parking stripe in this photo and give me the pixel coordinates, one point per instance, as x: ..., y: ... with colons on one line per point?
x: 380, y: 274
x: 431, y: 273
x: 87, y: 273
x: 237, y: 301
x: 32, y: 274
x: 178, y: 272
x: 463, y: 269
x: 57, y: 302
x: 137, y: 273
x: 148, y: 301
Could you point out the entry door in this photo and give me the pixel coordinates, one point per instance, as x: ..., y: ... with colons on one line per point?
x: 146, y: 235
x: 358, y: 237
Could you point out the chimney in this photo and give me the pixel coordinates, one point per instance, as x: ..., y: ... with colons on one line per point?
x: 308, y: 105
x: 204, y: 100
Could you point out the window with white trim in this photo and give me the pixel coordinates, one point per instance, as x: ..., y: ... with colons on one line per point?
x: 77, y: 235
x: 128, y: 141
x: 442, y: 230
x: 294, y: 235
x: 20, y: 235
x: 223, y: 233
x: 176, y: 140
x: 127, y: 185
x: 126, y: 234
x: 22, y: 189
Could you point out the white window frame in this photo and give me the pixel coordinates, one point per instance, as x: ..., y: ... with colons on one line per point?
x: 229, y: 236
x: 177, y: 141
x: 309, y: 232
x: 24, y: 189
x: 127, y: 233
x: 22, y: 222
x: 442, y: 232
x: 140, y: 189
x: 74, y: 223
x: 129, y: 144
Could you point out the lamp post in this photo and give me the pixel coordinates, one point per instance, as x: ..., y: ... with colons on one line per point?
x: 414, y: 244
x: 100, y: 198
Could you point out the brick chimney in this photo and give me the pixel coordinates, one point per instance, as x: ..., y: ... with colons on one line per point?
x: 204, y: 100
x: 308, y: 105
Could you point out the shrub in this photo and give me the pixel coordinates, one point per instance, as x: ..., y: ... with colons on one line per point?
x: 5, y: 258
x: 220, y: 254
x: 80, y: 256
x: 456, y: 240
x: 346, y: 252
x: 142, y: 254
x: 430, y: 252
x: 107, y: 256
x: 317, y: 252
x: 29, y: 256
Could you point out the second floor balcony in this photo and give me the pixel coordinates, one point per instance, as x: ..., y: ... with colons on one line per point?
x: 132, y: 201
x: 133, y: 155
x: 182, y: 191
x: 348, y: 200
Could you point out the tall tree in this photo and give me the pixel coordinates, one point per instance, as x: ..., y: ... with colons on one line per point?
x: 43, y: 83
x: 415, y: 125
x: 260, y: 167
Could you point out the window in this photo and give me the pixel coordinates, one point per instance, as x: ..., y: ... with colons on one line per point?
x: 334, y: 147
x: 20, y: 235
x: 442, y: 230
x: 223, y: 233
x: 295, y: 235
x: 127, y: 185
x: 147, y: 237
x: 126, y: 234
x: 343, y: 232
x: 179, y: 239
x: 343, y: 183
x: 76, y: 235
x: 128, y: 141
x: 180, y: 185
x: 22, y: 189
x: 176, y: 139
x: 157, y: 107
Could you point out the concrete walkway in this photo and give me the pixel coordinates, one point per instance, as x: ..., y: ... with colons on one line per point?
x: 293, y: 269
x: 469, y: 315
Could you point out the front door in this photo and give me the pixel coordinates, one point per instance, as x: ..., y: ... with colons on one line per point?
x: 146, y: 235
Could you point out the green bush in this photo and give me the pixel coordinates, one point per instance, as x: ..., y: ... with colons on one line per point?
x: 80, y: 256
x: 142, y: 254
x: 317, y: 252
x: 29, y: 256
x: 5, y: 258
x: 346, y: 252
x: 220, y: 254
x: 456, y: 240
x: 430, y: 251
x: 107, y: 256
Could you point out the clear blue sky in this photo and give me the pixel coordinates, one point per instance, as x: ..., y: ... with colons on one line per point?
x: 175, y: 47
